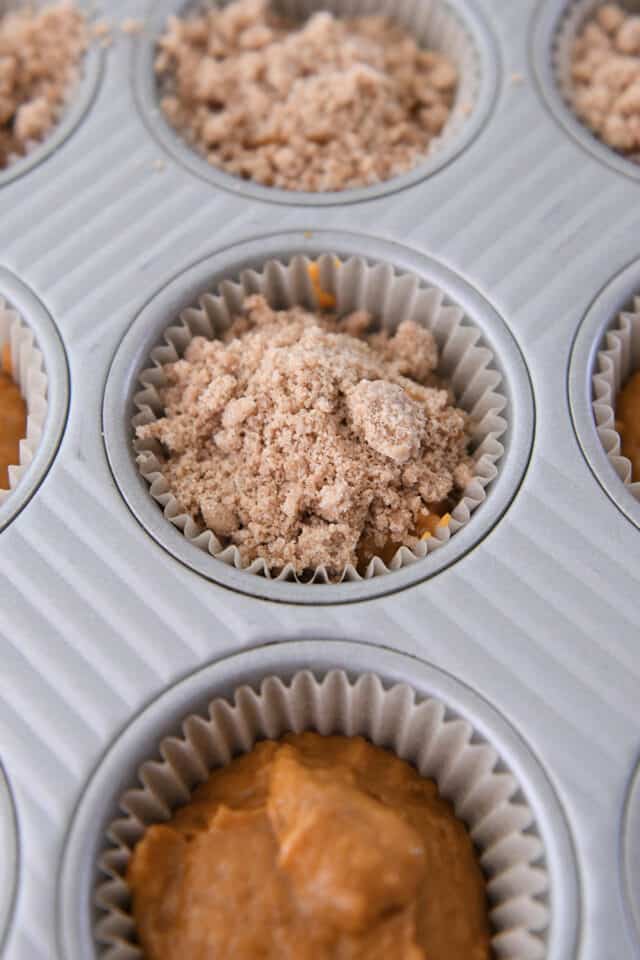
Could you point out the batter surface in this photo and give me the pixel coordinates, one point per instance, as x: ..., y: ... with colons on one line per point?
x: 628, y: 422
x: 311, y: 848
x: 13, y: 421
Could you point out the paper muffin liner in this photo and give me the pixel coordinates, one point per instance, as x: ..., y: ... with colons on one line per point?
x: 576, y: 15
x: 433, y: 24
x: 27, y: 369
x: 617, y: 360
x: 442, y: 746
x: 465, y: 363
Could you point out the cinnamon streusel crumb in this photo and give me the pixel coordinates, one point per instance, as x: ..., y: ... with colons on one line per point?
x: 39, y: 56
x: 605, y: 71
x: 300, y: 442
x: 323, y: 105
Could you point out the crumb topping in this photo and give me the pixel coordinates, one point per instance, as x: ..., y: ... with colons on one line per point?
x: 606, y: 77
x: 39, y: 56
x: 307, y: 439
x: 323, y: 105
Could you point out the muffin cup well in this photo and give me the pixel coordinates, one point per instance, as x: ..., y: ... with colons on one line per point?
x: 617, y: 359
x: 80, y: 94
x: 442, y: 746
x: 355, y: 284
x: 448, y: 26
x: 576, y: 15
x: 9, y: 845
x: 27, y: 369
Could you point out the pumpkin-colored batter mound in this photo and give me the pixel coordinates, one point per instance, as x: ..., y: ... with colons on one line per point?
x: 13, y: 421
x: 311, y: 848
x: 628, y: 423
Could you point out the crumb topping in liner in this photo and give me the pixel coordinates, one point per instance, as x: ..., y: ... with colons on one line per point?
x: 305, y: 439
x: 40, y: 53
x: 605, y: 72
x: 324, y: 105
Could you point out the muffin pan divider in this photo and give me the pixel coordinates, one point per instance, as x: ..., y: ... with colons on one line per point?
x: 540, y: 619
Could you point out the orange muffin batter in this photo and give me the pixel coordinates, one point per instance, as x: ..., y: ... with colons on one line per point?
x: 311, y: 848
x: 628, y: 422
x: 13, y: 420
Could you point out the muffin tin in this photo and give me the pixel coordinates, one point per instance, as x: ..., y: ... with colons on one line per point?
x: 9, y: 847
x: 528, y: 629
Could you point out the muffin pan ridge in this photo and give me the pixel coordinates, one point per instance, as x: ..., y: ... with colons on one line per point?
x: 509, y: 596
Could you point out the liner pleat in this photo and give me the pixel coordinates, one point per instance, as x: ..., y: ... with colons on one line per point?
x: 468, y: 770
x: 28, y: 372
x: 617, y: 359
x: 464, y: 362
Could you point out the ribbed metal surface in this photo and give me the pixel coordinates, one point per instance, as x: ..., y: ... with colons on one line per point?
x: 542, y: 618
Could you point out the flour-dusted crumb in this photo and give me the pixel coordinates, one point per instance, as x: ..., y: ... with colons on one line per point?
x: 323, y: 105
x: 131, y: 26
x: 301, y: 443
x: 605, y: 71
x: 102, y: 30
x: 39, y: 57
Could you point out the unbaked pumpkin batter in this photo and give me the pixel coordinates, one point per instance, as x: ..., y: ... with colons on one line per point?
x: 628, y: 423
x: 13, y: 420
x: 311, y: 848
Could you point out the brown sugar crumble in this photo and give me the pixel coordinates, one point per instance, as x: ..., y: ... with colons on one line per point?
x: 308, y: 439
x: 605, y: 71
x: 40, y: 52
x: 131, y: 26
x: 323, y: 105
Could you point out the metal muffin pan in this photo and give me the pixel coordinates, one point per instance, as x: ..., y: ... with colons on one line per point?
x: 540, y: 619
x: 631, y: 850
x: 183, y: 291
x: 9, y: 862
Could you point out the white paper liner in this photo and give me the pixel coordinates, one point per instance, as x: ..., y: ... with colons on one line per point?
x: 28, y: 372
x: 444, y: 747
x: 576, y: 15
x: 390, y: 297
x: 618, y: 358
x: 434, y: 26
